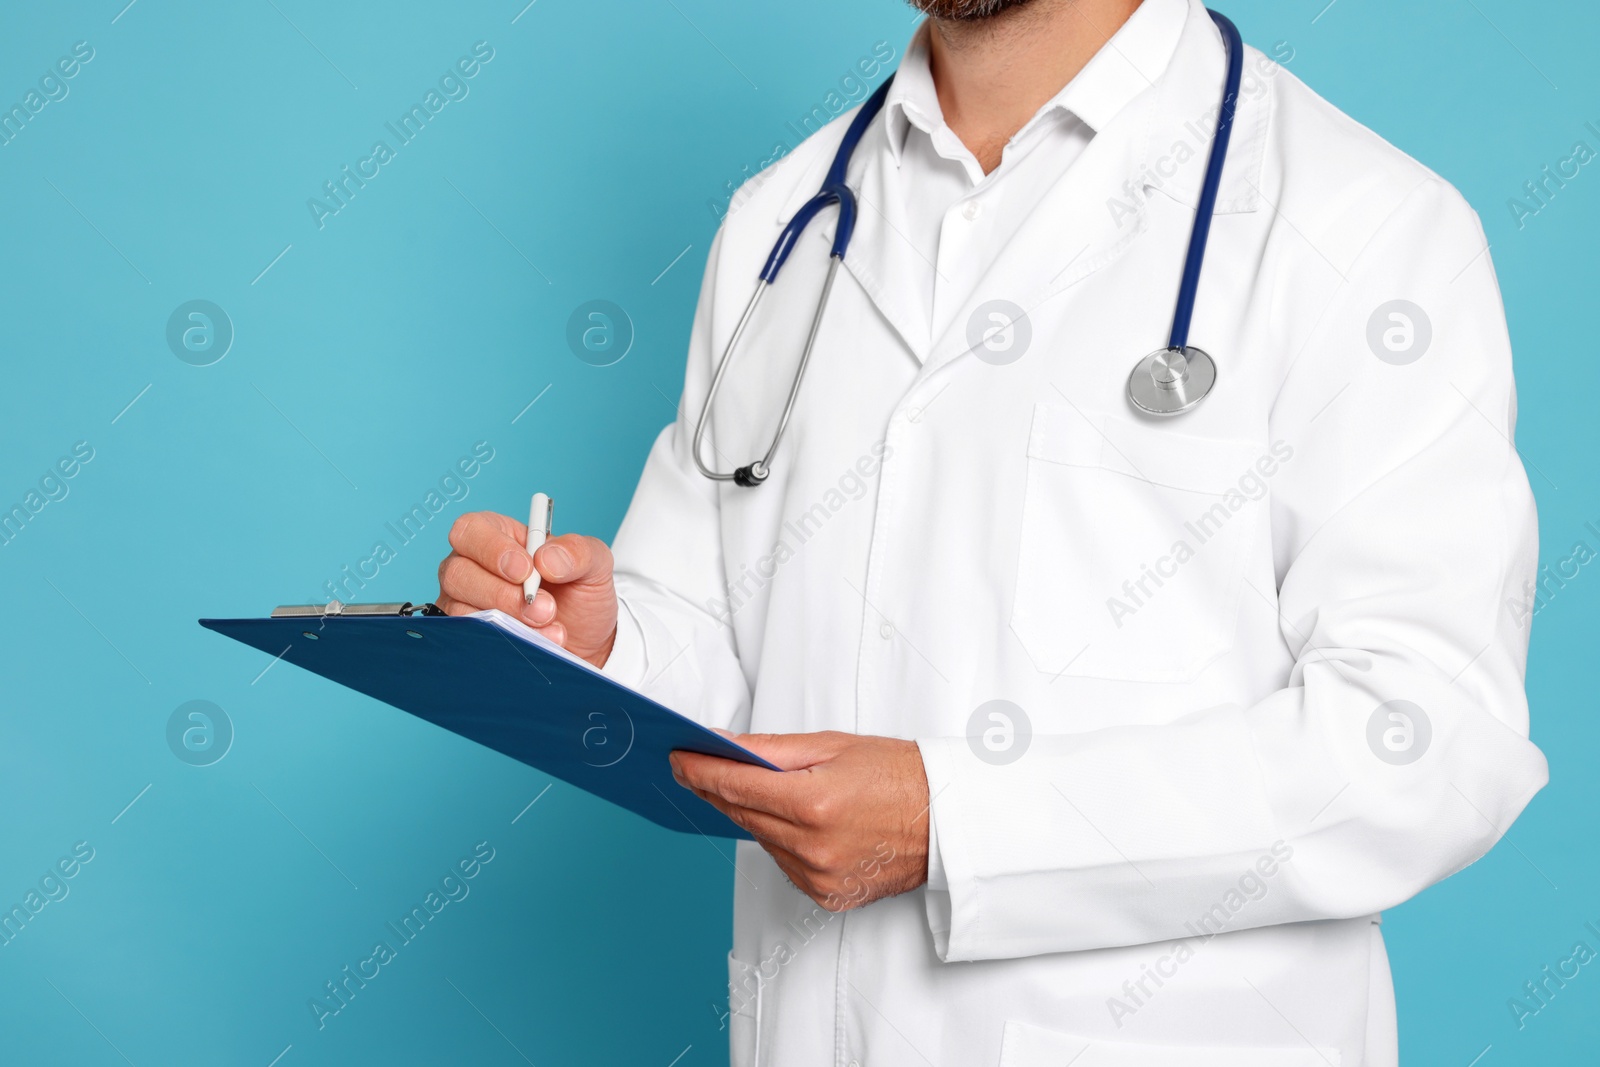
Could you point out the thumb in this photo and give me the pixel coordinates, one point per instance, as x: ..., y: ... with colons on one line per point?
x: 791, y: 752
x: 574, y: 558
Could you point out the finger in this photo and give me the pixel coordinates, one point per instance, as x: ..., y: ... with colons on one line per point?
x: 783, y: 842
x: 574, y: 558
x: 749, y: 787
x: 541, y: 612
x: 494, y: 542
x: 793, y: 752
x: 555, y: 632
x: 793, y: 867
x: 765, y: 828
x: 464, y: 581
x: 800, y: 876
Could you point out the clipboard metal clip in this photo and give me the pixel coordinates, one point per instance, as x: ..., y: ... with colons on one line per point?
x: 337, y: 607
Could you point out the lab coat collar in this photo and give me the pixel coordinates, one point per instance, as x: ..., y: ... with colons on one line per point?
x: 1092, y: 214
x: 1130, y: 62
x: 1183, y: 121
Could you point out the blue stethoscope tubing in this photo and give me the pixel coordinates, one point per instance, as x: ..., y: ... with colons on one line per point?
x: 1169, y: 381
x: 1172, y: 380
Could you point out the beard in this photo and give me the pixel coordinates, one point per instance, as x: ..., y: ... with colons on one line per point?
x: 965, y: 10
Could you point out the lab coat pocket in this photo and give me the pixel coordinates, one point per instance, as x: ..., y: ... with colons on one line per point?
x: 1133, y: 542
x: 744, y: 1012
x: 1026, y: 1045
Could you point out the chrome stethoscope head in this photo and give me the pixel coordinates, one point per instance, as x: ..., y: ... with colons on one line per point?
x: 1170, y: 381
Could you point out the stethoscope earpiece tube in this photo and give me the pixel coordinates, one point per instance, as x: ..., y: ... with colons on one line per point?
x: 833, y: 191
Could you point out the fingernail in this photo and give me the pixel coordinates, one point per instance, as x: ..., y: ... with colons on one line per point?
x: 515, y: 565
x: 557, y: 561
x: 542, y: 610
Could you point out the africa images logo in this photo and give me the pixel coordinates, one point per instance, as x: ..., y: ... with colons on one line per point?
x: 1399, y: 732
x: 199, y: 332
x: 1399, y: 332
x: 199, y: 733
x: 999, y: 732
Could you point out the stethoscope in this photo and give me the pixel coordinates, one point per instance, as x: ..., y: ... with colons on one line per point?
x: 1169, y: 381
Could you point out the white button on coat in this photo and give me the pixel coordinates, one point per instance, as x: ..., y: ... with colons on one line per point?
x: 1270, y: 652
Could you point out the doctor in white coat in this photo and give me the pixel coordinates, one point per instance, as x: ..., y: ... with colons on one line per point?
x: 1106, y: 738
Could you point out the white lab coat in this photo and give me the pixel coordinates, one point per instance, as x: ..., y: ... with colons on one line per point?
x: 1214, y: 748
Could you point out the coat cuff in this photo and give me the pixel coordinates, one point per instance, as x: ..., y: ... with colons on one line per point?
x: 937, y: 766
x: 627, y: 663
x: 936, y: 876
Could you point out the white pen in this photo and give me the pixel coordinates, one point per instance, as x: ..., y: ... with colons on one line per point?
x: 540, y: 514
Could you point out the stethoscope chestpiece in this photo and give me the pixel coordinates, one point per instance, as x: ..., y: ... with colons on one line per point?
x: 1170, y: 381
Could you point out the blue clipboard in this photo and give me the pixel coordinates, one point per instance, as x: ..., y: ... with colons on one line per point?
x: 492, y: 680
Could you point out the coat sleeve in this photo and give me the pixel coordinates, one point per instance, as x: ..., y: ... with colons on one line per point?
x: 1397, y: 752
x: 671, y: 645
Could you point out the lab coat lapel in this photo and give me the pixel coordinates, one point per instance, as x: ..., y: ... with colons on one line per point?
x: 879, y: 252
x: 877, y: 242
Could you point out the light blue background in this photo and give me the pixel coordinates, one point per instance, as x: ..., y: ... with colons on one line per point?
x: 591, y: 152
